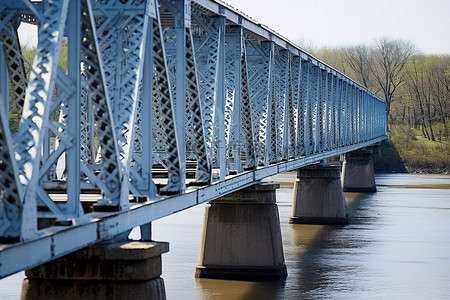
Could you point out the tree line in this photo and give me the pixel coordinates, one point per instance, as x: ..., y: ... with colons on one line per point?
x: 416, y: 87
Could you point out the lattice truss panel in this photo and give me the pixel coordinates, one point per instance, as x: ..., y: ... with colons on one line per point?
x: 246, y: 111
x: 163, y: 113
x: 233, y: 49
x: 15, y: 62
x: 321, y: 110
x: 121, y: 28
x: 195, y: 143
x: 207, y: 33
x: 259, y: 67
x: 314, y: 120
x: 279, y: 92
x: 330, y: 113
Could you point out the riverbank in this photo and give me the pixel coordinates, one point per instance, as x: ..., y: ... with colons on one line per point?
x: 405, y: 151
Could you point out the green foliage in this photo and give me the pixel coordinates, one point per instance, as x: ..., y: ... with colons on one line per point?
x: 14, y: 122
x: 417, y: 153
x: 28, y: 54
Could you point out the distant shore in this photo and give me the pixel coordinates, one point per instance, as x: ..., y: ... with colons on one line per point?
x: 406, y: 152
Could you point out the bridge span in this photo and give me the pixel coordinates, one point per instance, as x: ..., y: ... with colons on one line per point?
x: 134, y: 110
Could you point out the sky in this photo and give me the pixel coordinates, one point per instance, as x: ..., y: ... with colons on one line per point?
x: 318, y: 23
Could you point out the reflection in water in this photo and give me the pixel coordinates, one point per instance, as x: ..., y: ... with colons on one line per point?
x: 397, y: 246
x: 242, y: 290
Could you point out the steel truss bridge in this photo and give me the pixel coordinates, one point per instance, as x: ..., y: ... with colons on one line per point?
x: 162, y: 105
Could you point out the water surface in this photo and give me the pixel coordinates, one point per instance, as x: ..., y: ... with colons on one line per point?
x: 396, y: 247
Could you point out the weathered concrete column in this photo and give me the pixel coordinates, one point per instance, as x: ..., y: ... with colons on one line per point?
x: 318, y: 196
x: 357, y: 172
x: 124, y: 270
x: 242, y: 236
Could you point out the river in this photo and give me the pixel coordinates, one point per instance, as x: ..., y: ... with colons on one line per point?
x: 396, y: 247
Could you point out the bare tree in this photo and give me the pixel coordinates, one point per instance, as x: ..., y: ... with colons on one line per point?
x: 389, y: 59
x: 359, y: 59
x: 415, y: 88
x: 439, y: 80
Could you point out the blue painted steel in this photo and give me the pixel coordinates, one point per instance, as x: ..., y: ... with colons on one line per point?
x: 152, y: 88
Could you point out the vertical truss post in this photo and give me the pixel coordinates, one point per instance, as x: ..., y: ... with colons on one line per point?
x: 350, y: 110
x: 11, y: 193
x: 361, y: 116
x: 355, y: 108
x: 73, y: 208
x: 358, y: 109
x: 329, y: 113
x: 366, y: 115
x: 146, y: 112
x: 286, y: 106
x: 141, y: 172
x: 371, y: 108
x: 4, y: 81
x: 334, y: 111
x: 291, y: 108
x: 361, y: 120
x: 339, y: 113
x: 305, y: 112
x: 219, y: 112
x: 323, y: 110
x: 294, y: 107
x: 234, y: 52
x: 259, y: 66
x: 270, y: 109
x: 313, y: 103
x: 277, y: 113
x: 372, y: 116
x: 247, y: 120
x: 182, y: 21
x: 353, y: 119
x: 347, y: 114
x: 342, y: 114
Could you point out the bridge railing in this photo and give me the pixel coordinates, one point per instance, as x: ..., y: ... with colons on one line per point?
x: 171, y: 85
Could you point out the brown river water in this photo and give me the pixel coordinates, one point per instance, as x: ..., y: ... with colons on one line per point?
x: 396, y: 247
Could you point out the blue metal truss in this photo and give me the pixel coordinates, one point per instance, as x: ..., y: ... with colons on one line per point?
x: 153, y: 87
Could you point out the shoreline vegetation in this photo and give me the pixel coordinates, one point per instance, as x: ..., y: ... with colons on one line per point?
x: 407, y: 151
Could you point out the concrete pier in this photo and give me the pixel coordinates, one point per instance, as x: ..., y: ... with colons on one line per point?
x: 242, y: 237
x: 358, y: 173
x: 124, y: 270
x: 318, y: 196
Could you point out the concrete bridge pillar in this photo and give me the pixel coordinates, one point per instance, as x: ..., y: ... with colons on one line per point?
x: 124, y: 270
x: 318, y: 196
x: 358, y: 173
x: 242, y: 236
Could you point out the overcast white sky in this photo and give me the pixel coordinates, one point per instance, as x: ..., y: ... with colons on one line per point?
x: 426, y: 23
